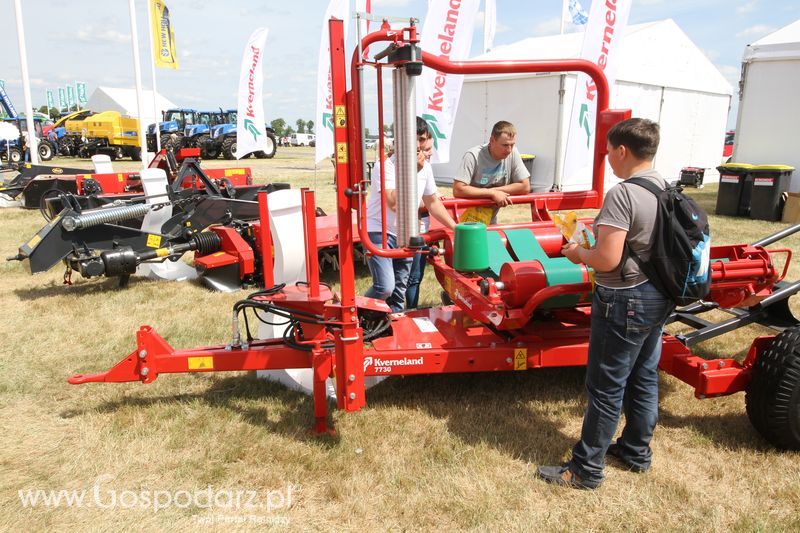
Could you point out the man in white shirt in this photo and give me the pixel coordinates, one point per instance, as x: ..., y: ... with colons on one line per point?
x: 390, y: 276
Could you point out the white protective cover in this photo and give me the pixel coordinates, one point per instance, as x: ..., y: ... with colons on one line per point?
x: 154, y: 182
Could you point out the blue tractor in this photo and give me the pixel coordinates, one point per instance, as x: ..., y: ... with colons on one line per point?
x: 198, y: 134
x: 171, y: 130
x: 223, y: 140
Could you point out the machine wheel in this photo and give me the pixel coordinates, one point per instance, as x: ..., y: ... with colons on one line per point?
x: 136, y: 154
x: 202, y: 142
x: 773, y: 394
x: 15, y: 155
x: 117, y: 153
x: 45, y: 151
x: 272, y: 147
x: 229, y: 148
x: 170, y: 142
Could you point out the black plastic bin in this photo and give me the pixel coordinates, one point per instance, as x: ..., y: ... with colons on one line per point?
x: 692, y: 176
x: 769, y: 184
x: 735, y: 188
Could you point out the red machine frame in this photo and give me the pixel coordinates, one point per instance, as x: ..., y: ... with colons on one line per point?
x: 483, y: 332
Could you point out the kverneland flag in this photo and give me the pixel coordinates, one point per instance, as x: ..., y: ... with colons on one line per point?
x: 251, y: 132
x: 163, y: 36
x: 607, y: 22
x: 324, y: 117
x: 447, y: 33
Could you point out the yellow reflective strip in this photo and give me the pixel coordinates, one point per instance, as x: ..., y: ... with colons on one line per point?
x: 199, y: 363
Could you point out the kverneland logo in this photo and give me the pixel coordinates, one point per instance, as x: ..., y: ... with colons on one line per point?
x: 405, y: 361
x: 445, y: 41
x: 251, y: 89
x: 602, y: 61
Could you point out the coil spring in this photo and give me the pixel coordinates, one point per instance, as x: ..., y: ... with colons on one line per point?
x: 207, y: 242
x: 102, y: 216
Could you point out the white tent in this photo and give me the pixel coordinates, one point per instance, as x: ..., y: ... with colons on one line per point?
x: 662, y: 76
x: 766, y: 128
x: 124, y: 102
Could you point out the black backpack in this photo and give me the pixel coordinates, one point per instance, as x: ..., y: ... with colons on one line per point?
x: 679, y: 264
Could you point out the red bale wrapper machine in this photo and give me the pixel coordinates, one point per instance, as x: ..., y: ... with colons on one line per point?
x: 529, y: 309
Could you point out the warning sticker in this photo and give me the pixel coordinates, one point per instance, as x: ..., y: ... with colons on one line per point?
x: 727, y: 178
x: 153, y: 241
x: 763, y: 182
x: 120, y: 178
x: 521, y: 359
x: 200, y: 363
x: 34, y: 241
x: 234, y: 171
x: 341, y: 116
x: 425, y: 324
x: 341, y: 152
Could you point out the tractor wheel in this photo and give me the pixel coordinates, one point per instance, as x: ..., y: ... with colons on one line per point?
x: 202, y: 142
x: 45, y: 151
x: 773, y: 394
x: 15, y: 155
x: 136, y: 154
x: 272, y: 147
x: 229, y: 148
x: 117, y: 153
x: 170, y: 142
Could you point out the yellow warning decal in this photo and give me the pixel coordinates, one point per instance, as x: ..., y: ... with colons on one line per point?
x: 34, y: 241
x: 521, y: 359
x: 162, y: 252
x: 341, y: 152
x: 120, y: 178
x: 217, y: 254
x: 341, y: 116
x: 153, y: 241
x: 234, y: 171
x: 200, y: 363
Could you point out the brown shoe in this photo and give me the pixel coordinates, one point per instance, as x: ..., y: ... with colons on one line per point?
x: 562, y: 475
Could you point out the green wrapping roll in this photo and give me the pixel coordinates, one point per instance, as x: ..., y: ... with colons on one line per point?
x: 470, y: 248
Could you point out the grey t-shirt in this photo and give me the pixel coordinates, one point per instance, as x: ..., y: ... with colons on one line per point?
x: 479, y: 169
x: 632, y: 208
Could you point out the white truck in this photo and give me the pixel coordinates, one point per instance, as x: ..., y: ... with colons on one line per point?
x: 302, y: 139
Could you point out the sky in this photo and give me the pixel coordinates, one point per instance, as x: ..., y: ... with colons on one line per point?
x: 89, y: 41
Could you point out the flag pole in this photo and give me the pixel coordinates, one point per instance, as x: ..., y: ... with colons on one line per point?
x: 26, y: 85
x: 138, y: 75
x: 156, y: 110
x: 564, y: 12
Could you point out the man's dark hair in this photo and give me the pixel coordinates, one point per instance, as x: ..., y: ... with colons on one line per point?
x: 423, y: 131
x: 639, y: 135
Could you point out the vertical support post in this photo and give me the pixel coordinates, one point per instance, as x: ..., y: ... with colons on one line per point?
x: 321, y: 369
x: 265, y: 241
x: 310, y: 228
x: 350, y: 389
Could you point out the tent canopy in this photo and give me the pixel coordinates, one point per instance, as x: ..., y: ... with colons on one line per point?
x: 124, y: 102
x: 781, y: 44
x: 654, y: 53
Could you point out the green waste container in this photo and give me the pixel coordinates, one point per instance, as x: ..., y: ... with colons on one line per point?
x: 735, y: 188
x: 769, y: 184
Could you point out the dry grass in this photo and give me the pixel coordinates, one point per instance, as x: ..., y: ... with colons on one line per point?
x: 449, y: 452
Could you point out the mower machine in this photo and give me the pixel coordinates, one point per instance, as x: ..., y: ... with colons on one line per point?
x: 529, y: 309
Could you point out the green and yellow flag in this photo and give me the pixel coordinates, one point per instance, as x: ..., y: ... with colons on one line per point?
x: 163, y: 36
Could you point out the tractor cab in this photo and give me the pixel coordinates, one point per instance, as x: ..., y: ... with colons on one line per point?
x: 171, y: 130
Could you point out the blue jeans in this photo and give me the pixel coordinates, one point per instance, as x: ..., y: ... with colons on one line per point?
x: 621, y: 375
x: 389, y: 276
x: 414, y: 279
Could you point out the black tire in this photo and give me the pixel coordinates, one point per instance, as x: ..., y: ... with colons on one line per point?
x: 212, y: 151
x: 773, y: 394
x: 117, y: 153
x: 15, y: 155
x: 136, y: 154
x: 202, y: 142
x: 46, y: 151
x: 272, y: 147
x: 229, y: 148
x: 170, y: 142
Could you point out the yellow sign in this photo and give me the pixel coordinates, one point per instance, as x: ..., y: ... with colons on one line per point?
x: 477, y: 214
x: 34, y: 241
x: 153, y: 241
x: 234, y: 171
x: 120, y: 178
x: 200, y: 363
x: 521, y: 359
x: 341, y: 152
x: 163, y: 36
x: 341, y: 116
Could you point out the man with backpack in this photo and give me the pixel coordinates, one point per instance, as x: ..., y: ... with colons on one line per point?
x: 628, y: 314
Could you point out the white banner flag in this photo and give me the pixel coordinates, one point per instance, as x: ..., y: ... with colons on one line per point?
x: 607, y: 22
x: 251, y: 133
x: 489, y: 24
x: 324, y: 117
x: 447, y: 33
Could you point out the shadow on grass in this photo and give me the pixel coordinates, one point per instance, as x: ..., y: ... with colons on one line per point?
x: 243, y: 395
x: 731, y: 431
x: 513, y: 412
x: 81, y: 288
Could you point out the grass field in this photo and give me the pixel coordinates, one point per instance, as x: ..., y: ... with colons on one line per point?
x: 450, y: 452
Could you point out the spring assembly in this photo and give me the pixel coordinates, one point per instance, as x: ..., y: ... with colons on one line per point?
x: 207, y: 242
x: 102, y: 216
